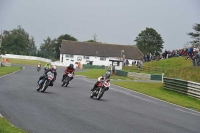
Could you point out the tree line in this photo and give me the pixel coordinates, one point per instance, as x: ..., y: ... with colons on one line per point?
x: 19, y: 42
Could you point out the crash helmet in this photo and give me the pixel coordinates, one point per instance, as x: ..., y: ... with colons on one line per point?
x: 107, y: 75
x: 71, y: 66
x: 53, y: 68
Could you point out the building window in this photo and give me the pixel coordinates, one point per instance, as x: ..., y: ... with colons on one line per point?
x: 86, y: 57
x: 69, y: 56
x: 102, y: 58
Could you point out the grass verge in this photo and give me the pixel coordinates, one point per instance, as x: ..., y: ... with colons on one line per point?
x: 7, y: 70
x: 95, y: 73
x: 26, y: 62
x: 149, y: 88
x: 6, y: 127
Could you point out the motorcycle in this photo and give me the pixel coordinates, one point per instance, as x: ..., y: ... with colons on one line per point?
x: 66, y: 79
x: 100, y: 89
x: 38, y: 68
x: 44, y: 83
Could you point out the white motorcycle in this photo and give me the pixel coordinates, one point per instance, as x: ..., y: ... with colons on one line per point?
x: 44, y: 83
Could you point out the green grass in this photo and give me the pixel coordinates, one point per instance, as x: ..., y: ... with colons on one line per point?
x: 156, y: 90
x: 177, y: 67
x: 26, y: 62
x: 95, y: 73
x: 6, y: 127
x: 7, y: 70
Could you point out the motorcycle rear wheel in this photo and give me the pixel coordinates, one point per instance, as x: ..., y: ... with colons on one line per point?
x: 100, y: 95
x: 92, y: 94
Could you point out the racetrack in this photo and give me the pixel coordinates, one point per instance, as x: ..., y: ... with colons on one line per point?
x: 71, y: 110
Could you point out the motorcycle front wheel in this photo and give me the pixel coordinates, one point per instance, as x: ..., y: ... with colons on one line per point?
x: 45, y: 85
x: 92, y: 94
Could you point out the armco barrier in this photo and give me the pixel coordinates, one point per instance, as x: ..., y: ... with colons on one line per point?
x: 93, y: 67
x: 182, y: 86
x: 139, y: 75
x: 121, y: 73
x: 156, y: 77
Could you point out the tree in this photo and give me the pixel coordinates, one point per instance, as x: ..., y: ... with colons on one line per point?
x: 195, y: 35
x: 50, y: 48
x: 47, y: 49
x: 90, y: 41
x: 17, y: 41
x: 58, y: 42
x: 149, y: 41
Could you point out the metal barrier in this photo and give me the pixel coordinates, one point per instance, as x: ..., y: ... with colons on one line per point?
x: 182, y: 86
x: 156, y: 77
x: 121, y: 73
x: 139, y: 75
x: 93, y: 67
x: 6, y: 64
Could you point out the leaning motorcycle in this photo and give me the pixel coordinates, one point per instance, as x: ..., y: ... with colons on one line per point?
x: 38, y: 68
x: 66, y: 79
x: 100, y: 89
x: 44, y: 83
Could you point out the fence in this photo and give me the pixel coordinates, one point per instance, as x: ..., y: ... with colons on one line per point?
x: 142, y: 76
x: 121, y: 73
x: 182, y: 86
x: 147, y: 69
x: 25, y: 57
x: 93, y: 67
x: 139, y: 75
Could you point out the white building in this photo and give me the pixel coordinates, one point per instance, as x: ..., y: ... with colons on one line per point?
x: 97, y: 53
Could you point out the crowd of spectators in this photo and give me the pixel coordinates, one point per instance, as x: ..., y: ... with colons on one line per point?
x: 189, y: 53
x: 192, y: 52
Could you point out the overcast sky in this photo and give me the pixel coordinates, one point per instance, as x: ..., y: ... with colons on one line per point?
x: 113, y: 21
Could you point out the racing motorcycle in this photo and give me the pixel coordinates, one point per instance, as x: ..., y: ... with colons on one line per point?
x: 44, y: 83
x: 100, y: 89
x: 66, y: 79
x: 38, y: 68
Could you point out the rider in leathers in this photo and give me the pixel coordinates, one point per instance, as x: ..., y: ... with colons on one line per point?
x: 69, y: 69
x: 101, y: 79
x: 53, y: 70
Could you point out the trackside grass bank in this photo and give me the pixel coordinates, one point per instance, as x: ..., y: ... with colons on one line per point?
x: 26, y: 62
x: 7, y: 70
x: 6, y: 127
x: 149, y: 88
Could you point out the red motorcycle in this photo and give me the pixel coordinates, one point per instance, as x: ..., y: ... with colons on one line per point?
x: 66, y: 79
x: 100, y: 89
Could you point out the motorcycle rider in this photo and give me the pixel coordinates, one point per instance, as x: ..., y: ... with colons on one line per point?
x: 47, y: 66
x: 69, y: 69
x: 39, y: 66
x: 101, y: 79
x: 53, y: 70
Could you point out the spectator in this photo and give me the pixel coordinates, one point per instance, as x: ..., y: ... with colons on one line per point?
x: 196, y: 58
x: 124, y: 62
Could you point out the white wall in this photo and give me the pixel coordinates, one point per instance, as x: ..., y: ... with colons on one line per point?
x: 25, y: 57
x: 31, y: 58
x: 96, y: 60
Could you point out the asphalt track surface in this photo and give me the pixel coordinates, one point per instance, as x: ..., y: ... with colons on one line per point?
x: 71, y: 110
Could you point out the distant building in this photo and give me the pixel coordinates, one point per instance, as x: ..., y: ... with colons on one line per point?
x: 97, y: 53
